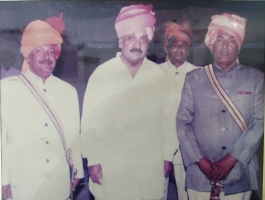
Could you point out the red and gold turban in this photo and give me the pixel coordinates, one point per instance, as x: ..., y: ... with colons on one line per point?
x: 134, y: 18
x: 39, y: 33
x: 232, y: 24
x: 178, y: 30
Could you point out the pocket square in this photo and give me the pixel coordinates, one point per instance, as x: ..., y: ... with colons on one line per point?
x: 243, y: 92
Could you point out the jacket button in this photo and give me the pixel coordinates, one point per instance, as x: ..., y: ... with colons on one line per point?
x: 223, y: 147
x: 44, y: 90
x: 223, y: 111
x: 223, y: 129
x: 47, y: 160
x: 46, y: 124
x: 47, y: 142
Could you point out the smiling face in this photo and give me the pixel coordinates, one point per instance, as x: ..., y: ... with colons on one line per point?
x: 42, y: 60
x: 225, y: 50
x: 177, y: 51
x: 134, y: 47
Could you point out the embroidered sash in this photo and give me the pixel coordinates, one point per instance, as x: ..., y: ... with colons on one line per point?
x: 54, y: 118
x: 228, y: 103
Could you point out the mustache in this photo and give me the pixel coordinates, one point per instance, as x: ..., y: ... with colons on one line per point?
x: 46, y: 61
x: 136, y: 50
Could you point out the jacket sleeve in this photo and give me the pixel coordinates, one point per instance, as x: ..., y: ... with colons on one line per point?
x: 190, y: 150
x: 170, y: 139
x: 75, y: 134
x: 4, y: 136
x: 245, y: 147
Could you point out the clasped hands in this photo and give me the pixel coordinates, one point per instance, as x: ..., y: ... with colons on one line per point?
x: 218, y: 170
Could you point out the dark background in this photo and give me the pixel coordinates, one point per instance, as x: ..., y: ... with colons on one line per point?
x: 90, y: 38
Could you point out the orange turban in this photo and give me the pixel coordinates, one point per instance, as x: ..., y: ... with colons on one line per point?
x: 38, y: 33
x: 179, y: 30
x: 232, y: 24
x: 134, y: 18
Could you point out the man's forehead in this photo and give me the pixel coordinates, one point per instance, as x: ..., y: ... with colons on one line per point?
x: 179, y: 40
x: 46, y: 46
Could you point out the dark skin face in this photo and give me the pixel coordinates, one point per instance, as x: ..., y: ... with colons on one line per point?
x: 8, y: 59
x: 42, y: 61
x: 224, y: 50
x: 177, y: 50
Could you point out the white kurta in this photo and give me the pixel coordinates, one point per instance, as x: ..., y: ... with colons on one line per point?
x: 34, y: 162
x: 125, y: 128
x: 176, y: 76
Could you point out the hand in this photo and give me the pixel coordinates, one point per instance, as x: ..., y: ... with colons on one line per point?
x: 206, y: 167
x: 223, y: 167
x: 167, y: 167
x: 95, y: 173
x: 6, y: 192
x: 75, y: 183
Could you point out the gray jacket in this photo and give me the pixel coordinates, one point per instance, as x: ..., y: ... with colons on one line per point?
x: 206, y: 129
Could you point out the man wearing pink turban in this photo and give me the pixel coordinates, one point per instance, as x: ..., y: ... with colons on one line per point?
x: 126, y: 135
x: 35, y: 165
x: 177, y: 40
x: 220, y: 120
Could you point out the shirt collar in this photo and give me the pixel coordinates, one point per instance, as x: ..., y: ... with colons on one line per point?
x: 38, y: 79
x: 176, y: 69
x: 233, y: 67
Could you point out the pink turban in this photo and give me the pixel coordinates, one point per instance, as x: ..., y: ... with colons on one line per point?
x: 38, y: 33
x: 232, y: 24
x: 179, y: 30
x: 134, y: 18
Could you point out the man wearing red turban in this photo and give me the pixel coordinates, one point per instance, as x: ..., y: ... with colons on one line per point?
x: 35, y: 165
x: 126, y: 135
x: 220, y: 120
x: 177, y: 40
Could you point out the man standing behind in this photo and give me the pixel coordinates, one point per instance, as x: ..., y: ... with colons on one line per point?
x: 40, y: 123
x: 125, y: 137
x: 177, y: 46
x: 220, y: 117
x: 8, y: 60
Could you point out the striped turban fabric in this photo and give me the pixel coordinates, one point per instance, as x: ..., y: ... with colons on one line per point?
x: 178, y: 30
x: 134, y: 18
x: 232, y: 24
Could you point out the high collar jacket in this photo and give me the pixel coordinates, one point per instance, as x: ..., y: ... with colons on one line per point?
x: 34, y: 161
x: 206, y: 129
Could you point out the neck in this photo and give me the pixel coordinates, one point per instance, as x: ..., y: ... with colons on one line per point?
x: 224, y: 67
x: 177, y: 64
x: 44, y: 78
x: 132, y: 67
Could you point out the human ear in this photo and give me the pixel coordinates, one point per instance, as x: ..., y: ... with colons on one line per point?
x: 120, y: 43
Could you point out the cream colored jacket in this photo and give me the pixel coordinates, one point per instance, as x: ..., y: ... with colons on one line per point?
x: 33, y: 161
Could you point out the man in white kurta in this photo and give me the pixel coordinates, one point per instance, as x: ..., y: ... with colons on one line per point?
x: 33, y: 157
x: 126, y: 135
x: 176, y: 44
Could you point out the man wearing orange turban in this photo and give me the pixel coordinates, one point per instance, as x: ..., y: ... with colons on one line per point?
x: 126, y: 135
x: 34, y: 161
x: 215, y: 147
x: 177, y: 40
